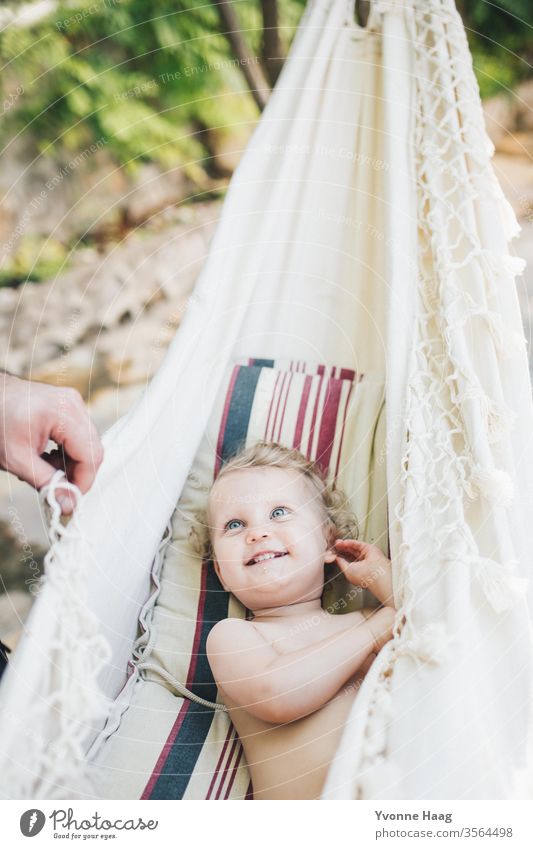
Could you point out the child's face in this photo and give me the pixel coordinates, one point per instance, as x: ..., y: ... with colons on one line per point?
x: 269, y: 537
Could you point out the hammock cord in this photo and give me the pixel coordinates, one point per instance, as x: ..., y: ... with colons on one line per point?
x: 179, y: 687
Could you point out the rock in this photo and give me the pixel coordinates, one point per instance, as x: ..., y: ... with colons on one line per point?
x: 40, y: 323
x: 80, y: 368
x: 152, y: 191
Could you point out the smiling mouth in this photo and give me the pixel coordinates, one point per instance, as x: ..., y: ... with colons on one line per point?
x: 267, y: 555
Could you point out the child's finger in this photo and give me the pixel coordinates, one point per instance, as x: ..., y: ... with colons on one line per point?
x: 353, y: 548
x: 342, y: 563
x: 352, y: 570
x: 351, y: 544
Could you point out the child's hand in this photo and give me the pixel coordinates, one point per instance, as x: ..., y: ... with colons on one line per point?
x: 366, y: 566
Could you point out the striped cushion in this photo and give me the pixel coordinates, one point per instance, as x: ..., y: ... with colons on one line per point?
x: 334, y: 416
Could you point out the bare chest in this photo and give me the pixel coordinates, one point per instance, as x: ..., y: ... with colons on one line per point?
x: 287, y: 637
x: 291, y: 761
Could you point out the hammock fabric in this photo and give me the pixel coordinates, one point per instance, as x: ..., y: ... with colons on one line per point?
x: 363, y: 228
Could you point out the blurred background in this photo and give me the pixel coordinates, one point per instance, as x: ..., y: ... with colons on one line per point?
x: 121, y: 124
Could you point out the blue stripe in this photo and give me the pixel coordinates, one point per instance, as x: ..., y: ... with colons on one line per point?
x: 240, y: 408
x: 181, y: 761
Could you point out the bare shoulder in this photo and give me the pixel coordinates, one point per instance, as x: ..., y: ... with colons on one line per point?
x: 237, y: 652
x: 229, y: 633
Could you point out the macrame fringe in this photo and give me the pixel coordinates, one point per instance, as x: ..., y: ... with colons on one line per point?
x: 73, y: 691
x: 448, y: 139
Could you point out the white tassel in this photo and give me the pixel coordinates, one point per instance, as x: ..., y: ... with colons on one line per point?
x: 502, y: 588
x: 499, y: 419
x: 506, y: 264
x: 503, y: 341
x: 430, y: 644
x: 494, y: 484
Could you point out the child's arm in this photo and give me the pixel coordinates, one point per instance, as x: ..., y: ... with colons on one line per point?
x: 281, y: 689
x: 367, y: 566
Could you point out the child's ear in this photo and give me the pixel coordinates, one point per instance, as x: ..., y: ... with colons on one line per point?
x: 331, y: 535
x: 330, y: 556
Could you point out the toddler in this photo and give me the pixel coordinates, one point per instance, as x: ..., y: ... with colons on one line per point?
x: 289, y: 674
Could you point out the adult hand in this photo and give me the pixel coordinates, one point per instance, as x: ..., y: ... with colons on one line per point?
x: 32, y: 414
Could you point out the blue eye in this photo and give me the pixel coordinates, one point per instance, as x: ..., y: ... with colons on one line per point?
x: 233, y: 524
x: 277, y: 512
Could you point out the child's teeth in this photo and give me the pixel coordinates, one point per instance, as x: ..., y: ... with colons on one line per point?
x: 269, y: 556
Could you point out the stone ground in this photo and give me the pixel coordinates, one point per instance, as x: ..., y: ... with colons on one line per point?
x: 98, y: 323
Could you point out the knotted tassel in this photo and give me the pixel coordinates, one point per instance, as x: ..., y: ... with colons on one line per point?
x: 502, y: 588
x: 499, y: 419
x: 431, y: 644
x: 494, y: 484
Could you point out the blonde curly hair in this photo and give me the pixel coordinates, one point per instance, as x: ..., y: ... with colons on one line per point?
x: 341, y: 522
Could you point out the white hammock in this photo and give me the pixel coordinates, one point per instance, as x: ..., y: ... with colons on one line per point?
x: 364, y: 227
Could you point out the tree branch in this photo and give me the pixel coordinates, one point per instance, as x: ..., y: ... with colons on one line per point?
x: 272, y: 53
x: 249, y: 64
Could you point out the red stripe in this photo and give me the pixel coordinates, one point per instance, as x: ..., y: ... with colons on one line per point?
x: 345, y: 414
x: 270, y: 408
x: 327, y: 425
x: 156, y: 772
x: 250, y: 792
x: 280, y: 393
x: 289, y: 382
x: 234, y: 773
x: 224, y: 419
x: 226, y: 768
x: 217, y: 768
x: 313, y: 420
x: 297, y: 441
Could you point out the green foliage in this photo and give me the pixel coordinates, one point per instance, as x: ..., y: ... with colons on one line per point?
x: 501, y: 40
x: 146, y: 76
x: 37, y: 258
x: 142, y: 76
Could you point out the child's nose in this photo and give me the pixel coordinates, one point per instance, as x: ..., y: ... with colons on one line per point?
x: 255, y: 534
